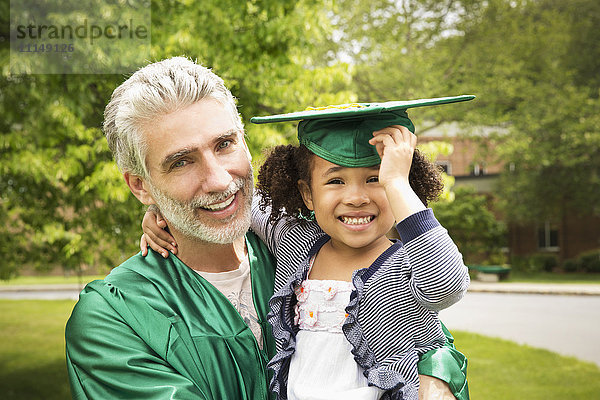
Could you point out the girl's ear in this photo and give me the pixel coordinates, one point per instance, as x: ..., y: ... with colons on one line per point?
x: 306, y: 194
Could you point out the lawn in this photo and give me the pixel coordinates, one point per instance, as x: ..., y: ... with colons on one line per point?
x: 32, y: 361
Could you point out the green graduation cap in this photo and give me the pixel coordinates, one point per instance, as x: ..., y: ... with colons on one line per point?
x: 340, y: 134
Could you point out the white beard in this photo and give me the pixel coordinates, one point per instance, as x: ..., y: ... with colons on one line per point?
x: 182, y: 215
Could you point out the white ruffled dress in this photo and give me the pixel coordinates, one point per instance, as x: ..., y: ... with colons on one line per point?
x: 323, y: 367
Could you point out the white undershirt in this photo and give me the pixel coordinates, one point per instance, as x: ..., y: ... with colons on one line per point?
x: 236, y: 286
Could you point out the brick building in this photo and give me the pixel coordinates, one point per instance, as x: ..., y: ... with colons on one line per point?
x: 566, y: 238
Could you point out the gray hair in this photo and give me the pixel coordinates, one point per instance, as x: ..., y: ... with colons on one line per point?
x: 155, y: 90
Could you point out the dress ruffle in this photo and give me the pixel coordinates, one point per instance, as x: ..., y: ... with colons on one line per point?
x: 378, y: 374
x: 284, y: 330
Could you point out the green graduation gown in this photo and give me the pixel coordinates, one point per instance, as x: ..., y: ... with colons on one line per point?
x: 155, y: 329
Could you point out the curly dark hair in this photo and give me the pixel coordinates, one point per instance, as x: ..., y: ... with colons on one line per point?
x: 285, y: 165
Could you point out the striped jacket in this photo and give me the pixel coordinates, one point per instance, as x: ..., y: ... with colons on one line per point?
x: 392, y: 311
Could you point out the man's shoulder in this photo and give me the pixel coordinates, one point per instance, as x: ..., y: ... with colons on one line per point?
x: 137, y: 276
x: 129, y: 288
x: 142, y: 270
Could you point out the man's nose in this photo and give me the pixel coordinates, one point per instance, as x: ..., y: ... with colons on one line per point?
x: 215, y: 176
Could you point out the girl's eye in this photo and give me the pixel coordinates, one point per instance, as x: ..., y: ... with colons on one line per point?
x: 335, y: 182
x: 373, y: 179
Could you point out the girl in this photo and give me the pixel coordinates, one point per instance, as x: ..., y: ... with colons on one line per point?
x: 353, y: 312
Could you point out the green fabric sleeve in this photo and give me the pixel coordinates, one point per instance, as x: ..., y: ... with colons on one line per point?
x: 106, y: 359
x: 448, y: 364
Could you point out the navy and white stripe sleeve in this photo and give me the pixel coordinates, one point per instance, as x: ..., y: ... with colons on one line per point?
x: 271, y: 233
x: 439, y: 277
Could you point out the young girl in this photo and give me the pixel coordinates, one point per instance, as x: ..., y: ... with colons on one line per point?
x: 353, y: 312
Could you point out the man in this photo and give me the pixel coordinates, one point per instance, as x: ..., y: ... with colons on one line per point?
x: 157, y: 328
x: 192, y: 326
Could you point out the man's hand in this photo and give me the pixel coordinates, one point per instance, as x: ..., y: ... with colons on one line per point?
x: 155, y: 234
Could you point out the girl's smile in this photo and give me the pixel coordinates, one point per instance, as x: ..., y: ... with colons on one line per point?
x: 357, y: 222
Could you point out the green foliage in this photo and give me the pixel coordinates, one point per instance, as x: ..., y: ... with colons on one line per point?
x: 535, y: 263
x: 586, y: 262
x: 533, y: 65
x: 521, y: 59
x: 64, y: 201
x: 475, y: 230
x: 571, y: 265
x: 58, y: 185
x: 590, y: 261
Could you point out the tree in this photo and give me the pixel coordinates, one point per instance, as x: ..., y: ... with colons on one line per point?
x: 475, y: 230
x: 63, y: 199
x: 549, y: 102
x: 534, y: 66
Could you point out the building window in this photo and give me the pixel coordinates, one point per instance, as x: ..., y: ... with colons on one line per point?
x: 548, y: 236
x: 478, y: 169
x: 446, y: 166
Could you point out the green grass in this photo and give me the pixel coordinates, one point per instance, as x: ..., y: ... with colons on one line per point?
x: 49, y: 280
x: 500, y: 369
x: 32, y: 362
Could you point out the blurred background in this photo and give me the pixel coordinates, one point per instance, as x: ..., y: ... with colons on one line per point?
x: 522, y: 161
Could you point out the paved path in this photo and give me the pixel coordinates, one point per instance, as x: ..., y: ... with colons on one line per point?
x: 566, y: 324
x: 41, y: 292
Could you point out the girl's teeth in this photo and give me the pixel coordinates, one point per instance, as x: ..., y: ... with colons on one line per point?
x: 220, y: 206
x: 356, y: 221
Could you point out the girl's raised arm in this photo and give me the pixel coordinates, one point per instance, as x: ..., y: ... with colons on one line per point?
x: 396, y: 146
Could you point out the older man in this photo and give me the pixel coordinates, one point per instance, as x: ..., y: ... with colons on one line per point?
x: 192, y: 326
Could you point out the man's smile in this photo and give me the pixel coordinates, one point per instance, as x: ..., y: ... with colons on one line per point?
x: 220, y: 206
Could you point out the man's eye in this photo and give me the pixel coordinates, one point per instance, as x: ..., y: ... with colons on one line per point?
x: 178, y: 164
x: 373, y: 179
x: 224, y: 144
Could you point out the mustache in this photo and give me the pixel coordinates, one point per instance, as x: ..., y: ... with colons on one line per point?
x: 218, y: 197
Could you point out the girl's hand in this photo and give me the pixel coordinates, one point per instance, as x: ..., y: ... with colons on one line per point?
x: 155, y: 235
x: 396, y: 146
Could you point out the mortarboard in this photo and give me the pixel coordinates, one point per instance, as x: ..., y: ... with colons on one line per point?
x: 340, y: 134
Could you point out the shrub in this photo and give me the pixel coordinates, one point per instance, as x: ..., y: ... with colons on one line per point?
x: 543, y: 262
x: 590, y: 261
x: 519, y: 263
x: 571, y: 265
x: 534, y: 263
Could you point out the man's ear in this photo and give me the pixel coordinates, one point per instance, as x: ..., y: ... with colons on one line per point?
x: 139, y: 188
x: 306, y: 194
